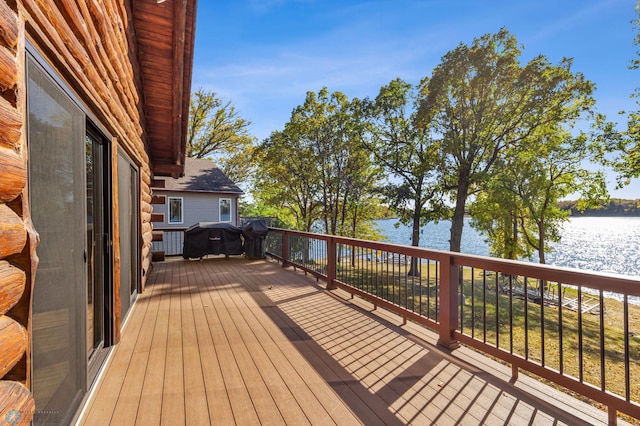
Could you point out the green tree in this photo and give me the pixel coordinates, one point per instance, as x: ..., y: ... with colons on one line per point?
x: 409, y: 156
x: 497, y: 214
x: 317, y: 167
x: 257, y: 208
x: 285, y: 181
x: 480, y: 101
x: 330, y: 124
x: 624, y: 144
x: 519, y: 209
x: 216, y: 130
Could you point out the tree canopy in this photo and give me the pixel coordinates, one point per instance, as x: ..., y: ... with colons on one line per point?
x: 408, y: 154
x: 216, y: 130
x: 484, y: 135
x: 480, y: 102
x: 519, y: 209
x: 627, y: 143
x: 317, y: 169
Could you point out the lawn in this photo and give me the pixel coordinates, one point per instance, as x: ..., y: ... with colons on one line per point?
x: 559, y: 338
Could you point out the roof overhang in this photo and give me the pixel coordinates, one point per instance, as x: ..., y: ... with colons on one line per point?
x: 165, y: 34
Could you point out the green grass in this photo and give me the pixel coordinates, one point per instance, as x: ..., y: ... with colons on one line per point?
x: 515, y: 325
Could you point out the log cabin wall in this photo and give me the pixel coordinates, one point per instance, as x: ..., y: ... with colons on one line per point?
x: 18, y: 240
x: 92, y: 46
x: 89, y: 45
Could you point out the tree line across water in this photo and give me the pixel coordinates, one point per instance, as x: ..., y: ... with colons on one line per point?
x: 613, y: 207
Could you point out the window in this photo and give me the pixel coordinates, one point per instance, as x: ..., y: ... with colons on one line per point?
x: 175, y: 210
x: 225, y: 210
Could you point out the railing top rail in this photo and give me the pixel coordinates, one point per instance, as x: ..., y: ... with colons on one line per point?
x: 594, y: 280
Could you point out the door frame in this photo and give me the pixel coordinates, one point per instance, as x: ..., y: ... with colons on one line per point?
x: 92, y: 123
x: 96, y: 359
x: 135, y: 244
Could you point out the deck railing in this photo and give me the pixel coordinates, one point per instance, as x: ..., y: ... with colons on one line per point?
x: 575, y: 328
x: 172, y: 241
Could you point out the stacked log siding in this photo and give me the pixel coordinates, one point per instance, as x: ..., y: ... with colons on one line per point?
x: 94, y: 48
x: 17, y: 239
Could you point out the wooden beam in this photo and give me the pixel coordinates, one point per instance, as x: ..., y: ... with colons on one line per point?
x: 157, y: 217
x: 9, y: 28
x: 157, y: 256
x: 157, y: 236
x: 179, y: 25
x: 12, y: 345
x: 12, y: 285
x: 16, y: 402
x: 8, y: 69
x: 167, y: 169
x: 159, y: 199
x: 13, y: 173
x: 10, y: 123
x: 157, y: 183
x: 116, y: 323
x: 13, y: 234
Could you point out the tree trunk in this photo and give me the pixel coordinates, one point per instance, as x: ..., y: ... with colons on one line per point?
x: 457, y: 222
x: 541, y: 238
x: 414, y: 269
x: 354, y: 224
x: 541, y: 255
x: 514, y: 243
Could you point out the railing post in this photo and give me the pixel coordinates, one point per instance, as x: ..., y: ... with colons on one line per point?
x: 285, y: 249
x: 449, y: 276
x: 331, y: 264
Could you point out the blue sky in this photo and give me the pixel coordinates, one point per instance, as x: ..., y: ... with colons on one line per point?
x: 265, y: 55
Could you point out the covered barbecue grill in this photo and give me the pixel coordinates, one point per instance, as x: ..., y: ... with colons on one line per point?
x: 254, y: 232
x: 205, y: 238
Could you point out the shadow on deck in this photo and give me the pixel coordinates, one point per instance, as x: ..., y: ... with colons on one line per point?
x: 247, y: 342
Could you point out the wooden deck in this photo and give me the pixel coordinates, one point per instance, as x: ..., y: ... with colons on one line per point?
x: 247, y: 342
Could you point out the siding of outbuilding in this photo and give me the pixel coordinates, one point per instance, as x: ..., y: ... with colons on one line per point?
x: 196, y: 207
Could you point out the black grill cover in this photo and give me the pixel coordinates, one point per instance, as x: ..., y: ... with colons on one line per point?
x: 254, y: 233
x: 212, y: 238
x: 255, y: 228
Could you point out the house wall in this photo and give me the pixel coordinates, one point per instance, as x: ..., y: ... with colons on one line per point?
x: 89, y: 46
x: 197, y: 207
x: 98, y: 64
x: 18, y: 239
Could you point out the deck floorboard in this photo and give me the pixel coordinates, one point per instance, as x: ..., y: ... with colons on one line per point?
x: 248, y: 342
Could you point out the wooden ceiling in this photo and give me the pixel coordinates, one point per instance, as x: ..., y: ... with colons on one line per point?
x: 165, y: 33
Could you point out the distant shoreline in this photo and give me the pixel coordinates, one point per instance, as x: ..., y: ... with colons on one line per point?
x: 616, y: 207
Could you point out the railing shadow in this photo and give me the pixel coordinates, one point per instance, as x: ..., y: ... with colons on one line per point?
x: 379, y: 369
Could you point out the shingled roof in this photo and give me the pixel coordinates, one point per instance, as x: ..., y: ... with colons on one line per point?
x: 201, y: 175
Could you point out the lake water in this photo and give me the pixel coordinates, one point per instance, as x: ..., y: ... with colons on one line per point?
x: 602, y: 244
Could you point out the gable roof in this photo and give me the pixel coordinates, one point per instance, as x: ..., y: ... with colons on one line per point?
x: 201, y: 175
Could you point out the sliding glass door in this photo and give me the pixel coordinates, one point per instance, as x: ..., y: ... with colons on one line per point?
x: 98, y: 246
x: 128, y: 196
x: 69, y: 196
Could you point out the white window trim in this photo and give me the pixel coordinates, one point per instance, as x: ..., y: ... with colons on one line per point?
x: 230, y: 209
x: 169, y: 210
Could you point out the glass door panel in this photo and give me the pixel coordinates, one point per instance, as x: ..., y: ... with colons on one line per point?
x: 96, y: 246
x: 56, y: 130
x: 129, y: 230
